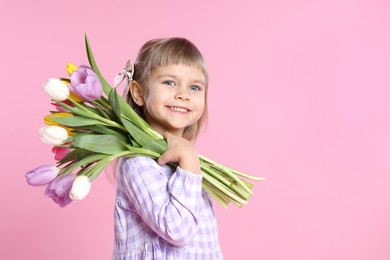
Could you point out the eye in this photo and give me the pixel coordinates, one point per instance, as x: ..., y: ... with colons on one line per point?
x: 195, y: 87
x: 169, y: 82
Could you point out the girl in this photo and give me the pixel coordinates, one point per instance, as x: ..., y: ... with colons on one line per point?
x: 162, y: 212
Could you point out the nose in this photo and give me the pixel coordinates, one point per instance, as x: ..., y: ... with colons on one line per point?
x: 182, y: 94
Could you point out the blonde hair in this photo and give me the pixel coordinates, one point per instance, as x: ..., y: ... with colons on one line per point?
x: 169, y: 51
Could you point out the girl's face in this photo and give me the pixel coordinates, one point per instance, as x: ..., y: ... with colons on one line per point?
x: 174, y: 98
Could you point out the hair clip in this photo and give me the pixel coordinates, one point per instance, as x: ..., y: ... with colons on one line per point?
x: 126, y: 73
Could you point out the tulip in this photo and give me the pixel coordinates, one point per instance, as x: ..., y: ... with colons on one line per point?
x: 56, y: 89
x: 75, y: 97
x: 49, y: 121
x: 86, y: 84
x: 70, y: 68
x: 72, y: 95
x: 54, y: 135
x: 42, y: 175
x: 60, y: 108
x: 60, y: 152
x: 49, y: 118
x: 59, y: 189
x: 80, y: 188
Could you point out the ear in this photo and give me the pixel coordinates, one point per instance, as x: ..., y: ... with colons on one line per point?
x: 137, y: 93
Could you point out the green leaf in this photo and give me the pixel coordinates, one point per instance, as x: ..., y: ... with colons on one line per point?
x: 77, y: 121
x: 106, y: 144
x: 86, y: 107
x: 138, y: 135
x: 158, y: 146
x: 114, y: 102
x: 87, y: 160
x: 135, y: 151
x: 104, y: 108
x: 143, y: 139
x: 130, y: 114
x: 104, y: 130
x: 134, y: 142
x: 96, y: 170
x: 73, y: 110
x: 91, y: 59
x: 82, y: 153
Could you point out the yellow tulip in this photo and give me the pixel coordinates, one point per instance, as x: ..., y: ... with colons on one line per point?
x: 70, y: 68
x: 65, y: 81
x: 72, y: 95
x: 49, y: 121
x: 75, y: 97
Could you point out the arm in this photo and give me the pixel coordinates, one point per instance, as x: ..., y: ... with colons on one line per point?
x: 169, y: 206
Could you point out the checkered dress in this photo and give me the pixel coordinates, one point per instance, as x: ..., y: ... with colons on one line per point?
x: 162, y: 213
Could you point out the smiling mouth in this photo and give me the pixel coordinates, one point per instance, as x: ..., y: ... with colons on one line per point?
x: 179, y: 109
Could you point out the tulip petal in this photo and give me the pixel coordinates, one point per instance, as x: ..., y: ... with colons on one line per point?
x: 80, y: 188
x: 78, y: 77
x: 54, y: 135
x: 56, y: 89
x: 86, y: 84
x: 60, y: 152
x: 70, y: 68
x: 59, y: 189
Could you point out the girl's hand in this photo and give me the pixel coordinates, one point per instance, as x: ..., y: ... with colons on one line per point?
x: 182, y: 151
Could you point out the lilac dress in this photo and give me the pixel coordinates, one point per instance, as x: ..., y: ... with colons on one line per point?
x: 162, y: 213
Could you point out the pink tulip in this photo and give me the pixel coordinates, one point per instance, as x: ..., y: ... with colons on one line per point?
x: 60, y: 152
x: 60, y: 108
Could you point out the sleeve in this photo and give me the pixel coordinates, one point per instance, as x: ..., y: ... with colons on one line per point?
x: 169, y: 206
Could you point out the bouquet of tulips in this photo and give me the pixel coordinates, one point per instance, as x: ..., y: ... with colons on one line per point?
x: 93, y: 125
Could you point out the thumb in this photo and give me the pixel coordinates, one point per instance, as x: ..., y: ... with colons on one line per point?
x: 164, y: 158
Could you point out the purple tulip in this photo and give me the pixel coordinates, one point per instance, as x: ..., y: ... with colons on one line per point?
x: 59, y: 189
x: 86, y: 84
x: 42, y: 175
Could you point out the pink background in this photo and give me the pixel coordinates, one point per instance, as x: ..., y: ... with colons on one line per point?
x: 299, y: 94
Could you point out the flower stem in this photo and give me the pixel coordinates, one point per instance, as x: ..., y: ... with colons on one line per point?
x: 95, y: 116
x: 222, y: 167
x: 225, y: 190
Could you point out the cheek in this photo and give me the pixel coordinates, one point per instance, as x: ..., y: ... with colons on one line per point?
x: 149, y: 97
x: 153, y: 102
x: 200, y: 109
x: 202, y: 103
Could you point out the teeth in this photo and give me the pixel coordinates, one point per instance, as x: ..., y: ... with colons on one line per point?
x: 178, y: 109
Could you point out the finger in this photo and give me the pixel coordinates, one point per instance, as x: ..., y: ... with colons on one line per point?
x: 163, y: 159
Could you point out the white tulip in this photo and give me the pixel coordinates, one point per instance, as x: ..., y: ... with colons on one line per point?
x: 80, y: 188
x: 54, y: 135
x: 56, y: 89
